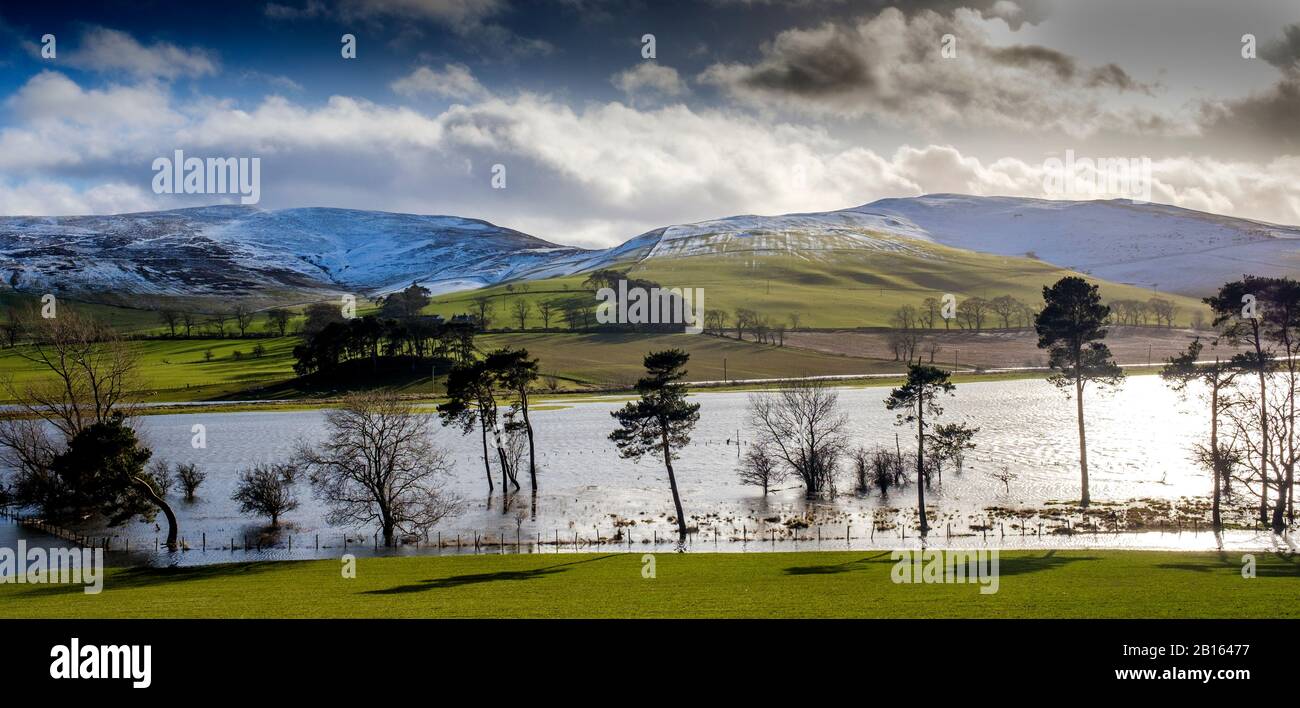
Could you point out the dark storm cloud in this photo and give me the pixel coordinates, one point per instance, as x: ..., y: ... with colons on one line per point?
x: 1032, y: 56
x: 1284, y: 53
x: 1269, y: 119
x: 835, y: 66
x: 1014, y: 13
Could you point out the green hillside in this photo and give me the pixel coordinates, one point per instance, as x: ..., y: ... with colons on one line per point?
x: 828, y: 289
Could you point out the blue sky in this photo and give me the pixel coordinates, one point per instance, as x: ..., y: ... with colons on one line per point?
x: 750, y: 106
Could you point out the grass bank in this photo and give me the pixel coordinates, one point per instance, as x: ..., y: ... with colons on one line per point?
x: 1033, y: 584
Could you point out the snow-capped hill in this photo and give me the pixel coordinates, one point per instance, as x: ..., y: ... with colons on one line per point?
x: 236, y: 251
x: 1150, y: 245
x: 810, y: 235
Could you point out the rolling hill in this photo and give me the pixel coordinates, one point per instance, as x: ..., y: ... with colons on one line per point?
x: 944, y: 243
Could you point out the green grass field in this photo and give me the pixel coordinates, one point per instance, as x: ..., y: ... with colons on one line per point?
x: 846, y: 289
x: 1033, y: 584
x: 178, y: 370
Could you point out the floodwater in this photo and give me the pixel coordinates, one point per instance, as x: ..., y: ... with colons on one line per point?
x: 1140, y: 439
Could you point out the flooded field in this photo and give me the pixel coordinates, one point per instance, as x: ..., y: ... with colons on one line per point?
x: 1146, y: 491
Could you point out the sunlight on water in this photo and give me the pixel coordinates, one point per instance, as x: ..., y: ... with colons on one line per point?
x: 1140, y: 439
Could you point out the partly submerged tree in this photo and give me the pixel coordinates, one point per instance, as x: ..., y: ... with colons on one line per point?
x: 1070, y: 327
x: 1263, y: 316
x: 71, y: 447
x: 1218, y: 378
x: 190, y: 477
x: 661, y: 421
x: 471, y: 401
x: 918, y: 396
x: 516, y: 373
x: 949, y: 443
x: 103, y: 470
x: 801, y: 424
x: 761, y: 468
x: 378, y: 465
x: 267, y: 490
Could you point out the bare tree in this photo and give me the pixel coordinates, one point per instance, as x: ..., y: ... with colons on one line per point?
x: 170, y: 318
x: 277, y: 319
x: 802, y: 426
x: 715, y: 322
x: 545, y: 309
x: 90, y: 371
x: 761, y: 469
x: 1004, y: 475
x: 1006, y: 308
x: 190, y: 477
x: 973, y: 311
x: 89, y: 374
x: 1163, y: 310
x: 267, y: 490
x: 188, y: 320
x: 378, y: 465
x: 904, y: 344
x: 243, y: 315
x: 521, y: 309
x: 218, y: 322
x: 483, y: 308
x: 905, y: 317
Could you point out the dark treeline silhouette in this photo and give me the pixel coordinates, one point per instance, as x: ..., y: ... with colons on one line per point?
x: 399, y: 336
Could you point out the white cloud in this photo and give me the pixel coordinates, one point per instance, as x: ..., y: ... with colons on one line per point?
x: 888, y: 67
x: 590, y: 175
x: 108, y: 50
x: 650, y: 77
x: 41, y: 197
x: 454, y: 81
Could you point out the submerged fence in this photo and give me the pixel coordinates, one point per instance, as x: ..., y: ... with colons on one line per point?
x: 620, y: 536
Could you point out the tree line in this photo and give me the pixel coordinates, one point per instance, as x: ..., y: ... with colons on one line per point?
x: 74, y: 450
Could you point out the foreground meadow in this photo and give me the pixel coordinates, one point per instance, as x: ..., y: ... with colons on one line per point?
x: 842, y: 584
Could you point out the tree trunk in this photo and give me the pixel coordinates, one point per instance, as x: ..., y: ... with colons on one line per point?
x: 920, y: 462
x: 672, y: 482
x: 1216, y: 464
x: 528, y: 427
x: 487, y: 466
x: 172, y: 526
x: 1083, y: 440
x: 1263, y: 426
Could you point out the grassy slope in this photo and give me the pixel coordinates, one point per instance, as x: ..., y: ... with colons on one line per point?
x: 616, y: 358
x: 835, y: 289
x: 1036, y: 584
x: 843, y: 289
x: 175, y: 370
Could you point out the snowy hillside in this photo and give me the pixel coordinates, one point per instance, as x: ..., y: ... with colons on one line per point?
x: 234, y: 251
x: 237, y: 251
x: 1148, y: 245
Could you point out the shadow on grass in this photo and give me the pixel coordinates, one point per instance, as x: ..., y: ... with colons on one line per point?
x: 145, y: 577
x: 1267, y: 565
x: 1017, y: 565
x: 456, y: 581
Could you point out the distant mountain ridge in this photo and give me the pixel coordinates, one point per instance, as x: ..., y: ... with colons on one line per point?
x: 235, y: 251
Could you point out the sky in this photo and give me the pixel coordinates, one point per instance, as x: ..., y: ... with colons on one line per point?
x: 746, y: 106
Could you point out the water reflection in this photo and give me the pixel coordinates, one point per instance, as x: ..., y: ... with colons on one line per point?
x: 589, y: 498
